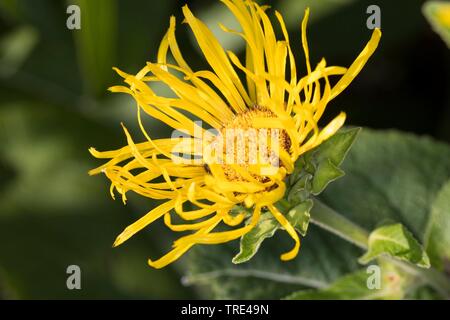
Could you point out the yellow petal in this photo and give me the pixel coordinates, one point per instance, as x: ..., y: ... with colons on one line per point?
x: 178, y: 251
x: 140, y: 224
x: 358, y: 64
x: 331, y: 128
x: 290, y: 229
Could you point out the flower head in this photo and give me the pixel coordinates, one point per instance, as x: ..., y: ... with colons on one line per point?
x: 272, y: 103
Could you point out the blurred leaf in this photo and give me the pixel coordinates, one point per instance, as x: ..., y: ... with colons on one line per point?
x: 96, y: 42
x: 438, y: 15
x: 322, y: 259
x: 9, y: 8
x: 47, y: 209
x: 135, y: 278
x: 40, y: 147
x: 438, y: 235
x: 52, y: 214
x: 424, y: 293
x: 293, y: 10
x: 15, y: 49
x: 214, y: 15
x: 389, y: 175
x: 49, y: 72
x: 354, y: 286
x: 396, y: 241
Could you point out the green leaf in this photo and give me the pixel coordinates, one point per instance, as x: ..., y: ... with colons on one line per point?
x: 336, y: 148
x: 266, y: 228
x: 320, y: 166
x: 326, y: 173
x: 251, y: 241
x: 356, y: 286
x: 424, y: 293
x: 438, y: 236
x: 390, y: 176
x: 396, y: 241
x: 437, y: 13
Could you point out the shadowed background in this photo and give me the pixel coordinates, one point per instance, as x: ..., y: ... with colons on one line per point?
x: 54, y: 106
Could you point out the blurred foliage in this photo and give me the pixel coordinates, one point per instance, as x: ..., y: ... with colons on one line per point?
x: 54, y: 105
x: 96, y: 42
x: 354, y: 286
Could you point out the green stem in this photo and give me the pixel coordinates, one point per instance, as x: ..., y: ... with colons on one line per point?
x: 330, y: 220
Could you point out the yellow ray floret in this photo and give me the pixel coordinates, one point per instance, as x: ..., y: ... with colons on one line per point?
x: 202, y: 175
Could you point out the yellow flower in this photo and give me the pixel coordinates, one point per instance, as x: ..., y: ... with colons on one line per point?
x: 204, y: 189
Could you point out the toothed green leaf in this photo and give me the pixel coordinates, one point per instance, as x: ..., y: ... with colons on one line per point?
x: 316, y: 169
x: 396, y: 241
